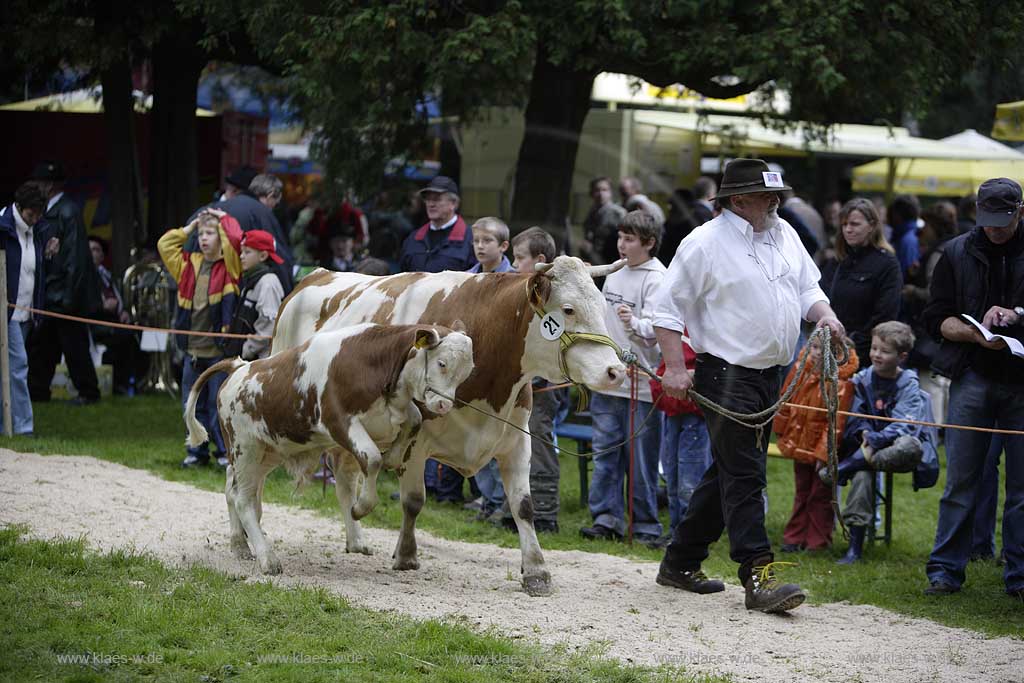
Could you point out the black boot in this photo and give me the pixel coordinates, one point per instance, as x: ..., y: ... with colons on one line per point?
x: 765, y: 593
x: 856, y: 550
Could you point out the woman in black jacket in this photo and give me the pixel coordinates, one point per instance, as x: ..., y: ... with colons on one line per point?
x: 863, y: 281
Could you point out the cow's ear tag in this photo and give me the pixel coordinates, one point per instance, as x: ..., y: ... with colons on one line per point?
x: 422, y: 342
x: 552, y: 326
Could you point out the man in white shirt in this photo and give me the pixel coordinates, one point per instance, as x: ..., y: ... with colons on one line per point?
x: 740, y: 284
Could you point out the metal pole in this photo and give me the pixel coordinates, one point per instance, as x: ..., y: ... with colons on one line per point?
x: 5, y: 358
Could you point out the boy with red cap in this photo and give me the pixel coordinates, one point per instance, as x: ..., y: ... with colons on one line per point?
x: 260, y: 298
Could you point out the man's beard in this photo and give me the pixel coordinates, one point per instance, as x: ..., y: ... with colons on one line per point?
x: 772, y: 220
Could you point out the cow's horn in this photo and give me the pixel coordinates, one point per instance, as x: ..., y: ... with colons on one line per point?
x: 543, y: 267
x: 604, y: 271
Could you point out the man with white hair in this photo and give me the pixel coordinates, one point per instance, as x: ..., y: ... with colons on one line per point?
x: 740, y: 285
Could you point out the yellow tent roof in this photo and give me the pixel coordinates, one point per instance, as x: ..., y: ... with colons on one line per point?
x: 934, y: 177
x: 742, y: 135
x: 84, y: 101
x: 1009, y: 123
x: 943, y: 177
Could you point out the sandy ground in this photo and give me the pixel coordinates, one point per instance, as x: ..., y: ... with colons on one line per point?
x: 609, y: 601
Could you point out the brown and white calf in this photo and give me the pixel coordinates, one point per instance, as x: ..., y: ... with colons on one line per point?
x: 510, y: 349
x: 355, y: 389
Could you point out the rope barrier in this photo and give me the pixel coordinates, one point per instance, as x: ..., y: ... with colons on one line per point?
x: 142, y: 328
x: 940, y: 425
x: 739, y: 418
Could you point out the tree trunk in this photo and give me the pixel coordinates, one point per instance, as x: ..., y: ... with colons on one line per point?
x: 559, y: 102
x: 174, y: 173
x: 123, y: 180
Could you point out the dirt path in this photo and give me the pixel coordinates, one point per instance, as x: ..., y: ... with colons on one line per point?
x: 597, y: 599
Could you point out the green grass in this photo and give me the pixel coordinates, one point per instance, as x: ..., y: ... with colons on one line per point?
x: 146, y: 432
x: 73, y: 615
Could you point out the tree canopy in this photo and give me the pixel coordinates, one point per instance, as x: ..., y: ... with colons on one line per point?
x: 364, y: 69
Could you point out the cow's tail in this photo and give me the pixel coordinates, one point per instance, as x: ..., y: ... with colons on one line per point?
x: 197, y: 435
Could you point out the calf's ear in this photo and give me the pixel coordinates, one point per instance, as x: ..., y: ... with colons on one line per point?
x: 459, y: 326
x: 427, y: 339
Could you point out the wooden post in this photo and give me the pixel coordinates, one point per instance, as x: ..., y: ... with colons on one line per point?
x: 5, y: 358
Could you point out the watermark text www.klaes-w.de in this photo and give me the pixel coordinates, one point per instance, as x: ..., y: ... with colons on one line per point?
x: 108, y: 659
x: 306, y: 658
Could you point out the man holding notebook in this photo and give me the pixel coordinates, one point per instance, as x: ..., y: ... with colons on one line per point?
x: 980, y: 274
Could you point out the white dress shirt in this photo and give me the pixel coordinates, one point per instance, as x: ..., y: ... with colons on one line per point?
x: 27, y: 276
x: 740, y: 294
x: 53, y: 200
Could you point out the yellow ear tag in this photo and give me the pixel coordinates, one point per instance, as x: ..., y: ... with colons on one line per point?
x: 422, y: 343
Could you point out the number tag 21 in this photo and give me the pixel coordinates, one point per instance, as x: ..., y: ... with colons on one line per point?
x: 552, y: 326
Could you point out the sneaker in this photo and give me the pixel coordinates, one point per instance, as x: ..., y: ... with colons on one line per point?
x: 195, y: 461
x: 790, y: 548
x: 941, y: 588
x: 599, y: 532
x: 765, y: 593
x: 222, y: 461
x: 652, y: 541
x: 694, y: 581
x: 476, y: 504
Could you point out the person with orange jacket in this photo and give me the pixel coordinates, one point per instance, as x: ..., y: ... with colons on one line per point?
x: 803, y: 437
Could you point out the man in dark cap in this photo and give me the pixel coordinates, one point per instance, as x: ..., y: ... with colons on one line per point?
x: 740, y: 284
x: 980, y: 274
x: 445, y: 242
x: 72, y: 287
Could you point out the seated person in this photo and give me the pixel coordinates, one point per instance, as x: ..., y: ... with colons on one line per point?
x: 886, y: 390
x: 122, y: 352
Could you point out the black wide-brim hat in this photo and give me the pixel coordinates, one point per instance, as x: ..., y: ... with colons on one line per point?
x: 744, y: 176
x: 49, y: 170
x: 242, y: 177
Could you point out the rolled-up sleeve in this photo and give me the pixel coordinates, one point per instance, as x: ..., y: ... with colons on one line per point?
x: 684, y: 283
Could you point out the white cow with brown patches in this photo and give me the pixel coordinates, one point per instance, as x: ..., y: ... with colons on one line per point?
x: 509, y: 351
x: 353, y: 390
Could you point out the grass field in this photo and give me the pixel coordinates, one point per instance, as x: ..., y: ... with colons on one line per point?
x: 73, y: 615
x: 146, y: 432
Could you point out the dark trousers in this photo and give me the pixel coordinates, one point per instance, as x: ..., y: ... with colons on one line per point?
x: 52, y: 337
x: 729, y: 495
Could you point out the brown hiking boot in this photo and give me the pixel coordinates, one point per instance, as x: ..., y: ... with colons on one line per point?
x: 766, y: 594
x: 693, y: 581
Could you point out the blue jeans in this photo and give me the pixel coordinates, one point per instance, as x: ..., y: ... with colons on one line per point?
x: 610, y: 417
x: 206, y: 405
x: 685, y: 456
x: 984, y: 535
x: 21, y: 402
x: 977, y: 401
x: 491, y: 486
